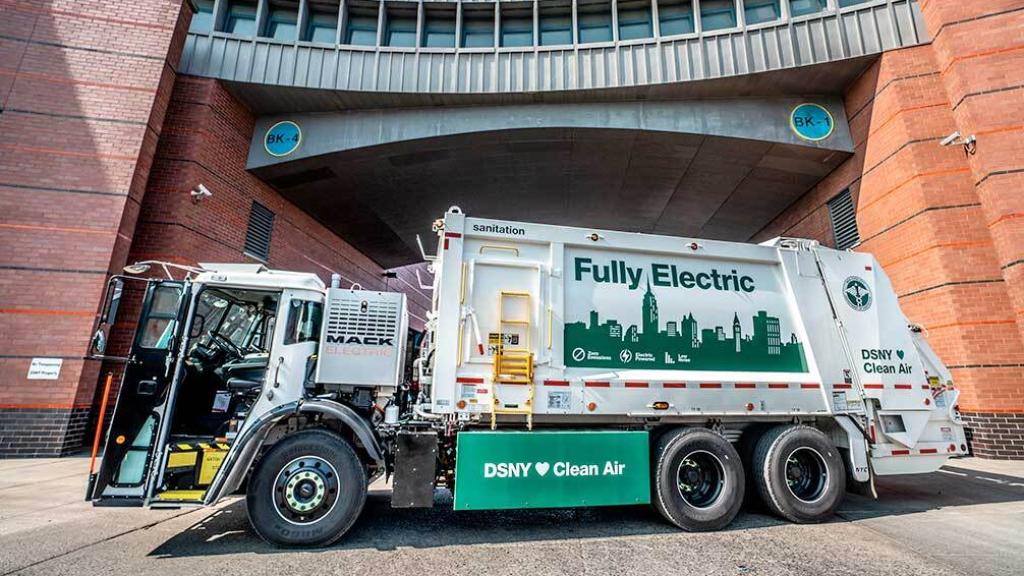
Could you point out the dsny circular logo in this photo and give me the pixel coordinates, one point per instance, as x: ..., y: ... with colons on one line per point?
x: 857, y: 293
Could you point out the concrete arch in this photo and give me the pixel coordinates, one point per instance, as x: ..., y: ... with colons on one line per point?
x: 702, y: 172
x: 766, y: 120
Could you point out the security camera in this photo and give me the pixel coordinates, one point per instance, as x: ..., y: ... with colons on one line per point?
x: 969, y: 143
x: 200, y: 192
x: 951, y: 139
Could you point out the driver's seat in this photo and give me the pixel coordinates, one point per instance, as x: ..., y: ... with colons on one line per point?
x: 237, y: 384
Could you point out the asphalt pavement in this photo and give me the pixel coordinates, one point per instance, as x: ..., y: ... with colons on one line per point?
x: 966, y: 519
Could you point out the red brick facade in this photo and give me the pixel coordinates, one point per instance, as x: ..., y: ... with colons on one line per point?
x: 947, y: 226
x: 111, y: 140
x: 83, y: 85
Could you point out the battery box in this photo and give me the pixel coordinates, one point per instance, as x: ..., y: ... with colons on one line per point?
x: 192, y: 464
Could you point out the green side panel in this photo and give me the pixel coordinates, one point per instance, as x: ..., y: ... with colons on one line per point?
x: 496, y: 470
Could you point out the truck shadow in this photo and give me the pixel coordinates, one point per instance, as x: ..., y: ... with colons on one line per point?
x: 383, y: 528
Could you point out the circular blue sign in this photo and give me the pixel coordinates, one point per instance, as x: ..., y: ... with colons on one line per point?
x: 283, y: 138
x: 811, y: 122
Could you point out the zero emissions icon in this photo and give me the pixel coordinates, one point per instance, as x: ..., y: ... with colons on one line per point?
x: 857, y: 294
x: 578, y: 354
x: 282, y: 138
x: 812, y: 122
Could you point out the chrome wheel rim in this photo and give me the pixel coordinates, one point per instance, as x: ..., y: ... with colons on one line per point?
x: 305, y: 490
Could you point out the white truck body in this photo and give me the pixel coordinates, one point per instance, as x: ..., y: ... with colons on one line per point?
x: 829, y: 336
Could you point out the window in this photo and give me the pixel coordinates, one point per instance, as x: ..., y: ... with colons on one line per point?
x: 400, y: 28
x: 555, y: 24
x: 240, y: 18
x: 257, y: 236
x: 321, y: 26
x: 237, y: 324
x: 675, y: 17
x: 635, y: 20
x: 516, y: 25
x: 759, y: 11
x: 202, y: 20
x: 844, y: 220
x: 478, y: 26
x: 158, y: 331
x: 717, y: 14
x: 595, y: 22
x: 438, y: 27
x: 282, y: 23
x: 845, y: 3
x: 303, y: 324
x: 805, y: 7
x: 361, y: 25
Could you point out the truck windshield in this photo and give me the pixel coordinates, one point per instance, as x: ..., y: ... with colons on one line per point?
x: 232, y: 320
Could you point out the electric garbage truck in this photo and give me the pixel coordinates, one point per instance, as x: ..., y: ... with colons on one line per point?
x: 558, y: 367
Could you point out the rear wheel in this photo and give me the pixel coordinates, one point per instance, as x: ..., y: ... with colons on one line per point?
x: 798, y: 473
x: 307, y: 491
x: 698, y: 479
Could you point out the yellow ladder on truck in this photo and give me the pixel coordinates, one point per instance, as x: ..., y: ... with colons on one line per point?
x: 513, y: 365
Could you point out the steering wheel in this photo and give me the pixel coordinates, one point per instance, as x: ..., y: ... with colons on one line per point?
x: 226, y: 345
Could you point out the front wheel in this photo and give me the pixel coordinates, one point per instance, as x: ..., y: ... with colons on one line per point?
x: 307, y: 491
x: 698, y: 479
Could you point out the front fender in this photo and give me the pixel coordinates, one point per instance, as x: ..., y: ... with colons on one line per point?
x: 348, y: 416
x: 243, y: 451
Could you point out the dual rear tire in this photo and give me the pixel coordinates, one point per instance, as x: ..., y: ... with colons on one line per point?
x: 798, y: 473
x: 699, y: 479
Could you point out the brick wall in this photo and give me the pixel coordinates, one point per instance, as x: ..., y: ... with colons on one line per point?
x: 921, y: 210
x: 206, y: 141
x: 82, y: 86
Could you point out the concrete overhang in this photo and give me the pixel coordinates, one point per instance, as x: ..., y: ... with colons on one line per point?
x: 704, y: 168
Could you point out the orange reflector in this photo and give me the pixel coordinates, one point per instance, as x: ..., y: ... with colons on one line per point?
x: 660, y: 405
x: 592, y: 406
x: 750, y: 406
x: 461, y: 404
x: 120, y: 439
x: 927, y: 401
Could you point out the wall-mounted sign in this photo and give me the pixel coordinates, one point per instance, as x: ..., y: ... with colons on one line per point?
x: 812, y: 122
x: 282, y: 138
x: 45, y: 368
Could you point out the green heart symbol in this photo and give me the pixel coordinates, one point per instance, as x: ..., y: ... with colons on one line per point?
x: 900, y: 354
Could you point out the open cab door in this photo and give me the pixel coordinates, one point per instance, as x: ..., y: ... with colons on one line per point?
x: 129, y: 459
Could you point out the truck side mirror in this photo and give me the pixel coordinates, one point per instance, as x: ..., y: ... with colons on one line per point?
x: 107, y: 317
x: 114, y: 290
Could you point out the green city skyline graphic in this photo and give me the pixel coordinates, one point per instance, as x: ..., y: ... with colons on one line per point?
x: 682, y: 345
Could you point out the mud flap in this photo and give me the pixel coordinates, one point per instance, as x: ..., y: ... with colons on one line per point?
x: 858, y: 450
x: 415, y: 470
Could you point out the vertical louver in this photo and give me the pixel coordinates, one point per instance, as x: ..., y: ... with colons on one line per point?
x: 844, y: 220
x: 257, y: 236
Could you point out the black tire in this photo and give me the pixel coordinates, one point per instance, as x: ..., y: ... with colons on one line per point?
x: 290, y: 498
x: 799, y: 474
x: 711, y: 496
x: 745, y: 447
